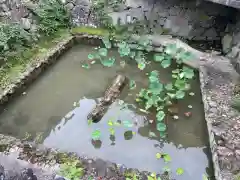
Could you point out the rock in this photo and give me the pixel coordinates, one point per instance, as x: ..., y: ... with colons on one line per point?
x: 4, y: 8
x: 26, y: 23
x: 69, y: 6
x: 227, y: 43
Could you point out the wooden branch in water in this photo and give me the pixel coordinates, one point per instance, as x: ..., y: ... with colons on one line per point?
x: 109, y: 97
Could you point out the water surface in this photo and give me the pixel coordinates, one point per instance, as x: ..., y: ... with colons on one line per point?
x: 48, y: 107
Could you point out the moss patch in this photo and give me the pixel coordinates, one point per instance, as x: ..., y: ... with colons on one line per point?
x: 16, y: 65
x: 90, y: 31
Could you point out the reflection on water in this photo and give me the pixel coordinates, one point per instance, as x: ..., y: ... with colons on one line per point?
x: 51, y: 106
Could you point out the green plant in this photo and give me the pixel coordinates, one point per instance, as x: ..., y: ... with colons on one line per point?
x: 13, y: 40
x: 52, y: 16
x: 72, y: 169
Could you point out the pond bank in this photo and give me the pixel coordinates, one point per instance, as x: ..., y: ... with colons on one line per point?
x: 16, y: 156
x: 223, y: 121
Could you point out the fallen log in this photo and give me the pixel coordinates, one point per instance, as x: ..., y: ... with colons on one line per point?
x: 110, y: 95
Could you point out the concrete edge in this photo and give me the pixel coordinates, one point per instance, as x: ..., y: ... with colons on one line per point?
x: 212, y: 141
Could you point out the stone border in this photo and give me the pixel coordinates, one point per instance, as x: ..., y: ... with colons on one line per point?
x: 34, y: 70
x: 222, y: 120
x: 49, y: 160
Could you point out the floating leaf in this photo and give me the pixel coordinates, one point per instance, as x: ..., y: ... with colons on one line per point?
x: 162, y: 134
x: 128, y: 135
x: 166, y: 169
x: 155, y: 87
x: 91, y: 56
x: 180, y: 94
x: 158, y: 57
x: 108, y: 62
x: 204, y: 177
x: 96, y: 135
x: 158, y: 155
x: 161, y: 127
x: 169, y: 86
x: 141, y: 65
x: 150, y: 178
x: 152, y: 134
x: 180, y: 171
x: 117, y: 123
x: 166, y: 63
x: 103, y: 51
x: 86, y: 66
x: 171, y: 49
x: 112, y: 131
x: 110, y: 123
x: 132, y: 84
x: 132, y: 54
x: 171, y: 95
x: 106, y: 42
x: 188, y: 72
x: 127, y: 123
x: 90, y: 121
x: 167, y: 158
x: 180, y: 84
x: 160, y: 115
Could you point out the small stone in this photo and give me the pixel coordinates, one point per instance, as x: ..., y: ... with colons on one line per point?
x: 223, y: 151
x: 212, y: 104
x: 4, y: 7
x: 237, y: 152
x: 69, y: 6
x: 175, y: 117
x: 26, y: 23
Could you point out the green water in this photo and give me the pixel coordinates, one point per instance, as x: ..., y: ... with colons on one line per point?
x: 48, y: 107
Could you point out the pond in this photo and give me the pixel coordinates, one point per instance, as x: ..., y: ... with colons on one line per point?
x: 57, y: 105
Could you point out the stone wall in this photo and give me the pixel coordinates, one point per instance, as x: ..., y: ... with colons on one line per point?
x: 17, y: 11
x: 188, y: 19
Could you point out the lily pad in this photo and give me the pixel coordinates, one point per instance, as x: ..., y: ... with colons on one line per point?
x: 96, y: 135
x: 158, y: 57
x: 158, y: 155
x: 160, y: 115
x: 103, y: 51
x: 166, y: 63
x: 112, y: 131
x: 180, y: 94
x: 91, y: 56
x: 180, y: 171
x: 167, y: 158
x: 108, y: 62
x: 152, y: 134
x: 132, y: 84
x: 110, y: 123
x: 127, y: 123
x: 86, y: 66
x: 141, y: 65
x: 161, y: 127
x: 169, y: 86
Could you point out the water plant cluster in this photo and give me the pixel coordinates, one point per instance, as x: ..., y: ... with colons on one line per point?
x: 158, y: 95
